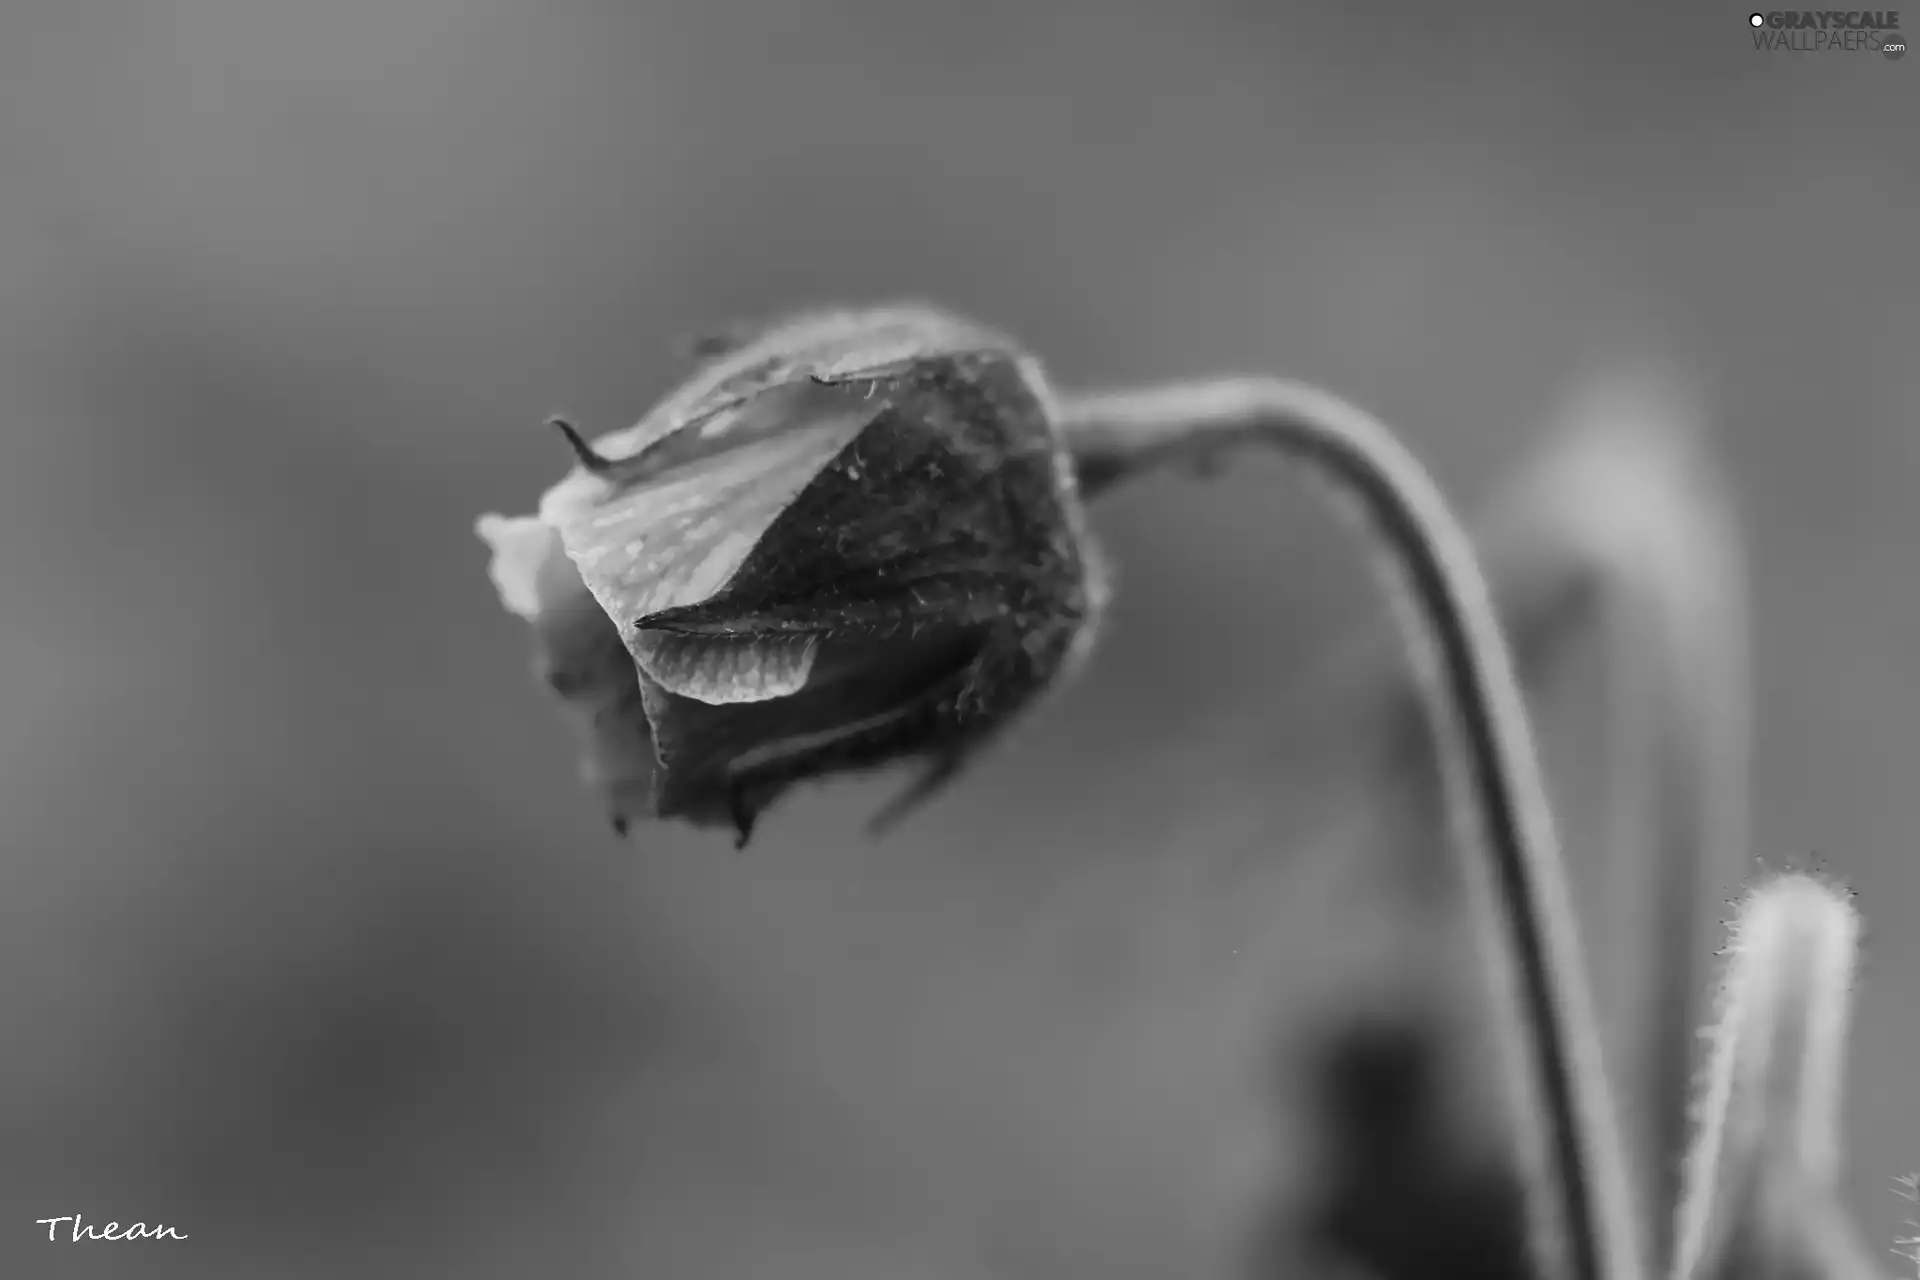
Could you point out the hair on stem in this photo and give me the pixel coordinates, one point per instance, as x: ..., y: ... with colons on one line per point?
x: 1761, y: 1195
x: 1907, y: 1187
x: 1582, y: 1222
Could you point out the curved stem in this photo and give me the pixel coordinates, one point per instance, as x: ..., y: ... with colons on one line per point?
x: 1628, y: 513
x: 1584, y: 1227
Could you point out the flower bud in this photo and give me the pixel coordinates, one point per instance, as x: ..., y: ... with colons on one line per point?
x: 1761, y: 1200
x: 849, y: 538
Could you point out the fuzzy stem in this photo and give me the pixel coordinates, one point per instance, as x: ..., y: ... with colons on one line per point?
x: 1761, y: 1175
x: 1583, y: 1226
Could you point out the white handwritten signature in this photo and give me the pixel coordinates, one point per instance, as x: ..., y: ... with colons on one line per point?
x: 112, y: 1231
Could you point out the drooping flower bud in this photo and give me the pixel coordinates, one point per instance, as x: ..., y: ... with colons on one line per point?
x: 850, y: 538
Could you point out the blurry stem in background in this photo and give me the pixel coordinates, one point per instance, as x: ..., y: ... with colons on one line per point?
x: 1584, y: 1227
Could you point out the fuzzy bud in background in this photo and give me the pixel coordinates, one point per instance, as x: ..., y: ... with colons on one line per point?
x: 849, y: 538
x: 1761, y: 1200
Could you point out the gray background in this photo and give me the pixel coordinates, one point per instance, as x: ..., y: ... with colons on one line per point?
x: 312, y: 947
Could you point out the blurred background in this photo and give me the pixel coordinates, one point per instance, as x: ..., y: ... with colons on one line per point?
x: 313, y: 947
